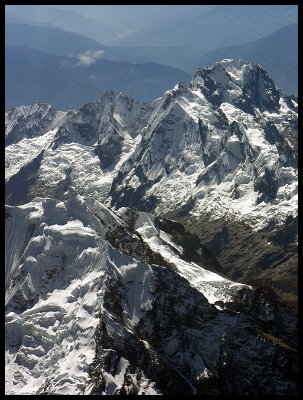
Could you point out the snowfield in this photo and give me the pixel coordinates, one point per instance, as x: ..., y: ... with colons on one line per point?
x: 57, y: 294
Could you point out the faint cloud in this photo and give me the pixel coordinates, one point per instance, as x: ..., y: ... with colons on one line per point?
x: 119, y: 36
x: 89, y: 57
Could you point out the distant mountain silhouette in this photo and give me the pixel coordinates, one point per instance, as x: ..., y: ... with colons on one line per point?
x: 33, y: 75
x: 48, y: 39
x: 224, y: 25
x: 63, y: 19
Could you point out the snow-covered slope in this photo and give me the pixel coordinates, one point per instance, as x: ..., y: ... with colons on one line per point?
x: 222, y: 153
x: 84, y: 152
x: 223, y: 146
x: 31, y: 121
x: 100, y: 302
x: 219, y: 147
x: 109, y: 288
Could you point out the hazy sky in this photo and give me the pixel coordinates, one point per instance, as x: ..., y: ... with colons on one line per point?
x: 136, y: 16
x: 140, y: 14
x: 164, y: 25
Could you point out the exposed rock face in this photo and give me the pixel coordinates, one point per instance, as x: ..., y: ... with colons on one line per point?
x: 129, y: 228
x: 208, y: 348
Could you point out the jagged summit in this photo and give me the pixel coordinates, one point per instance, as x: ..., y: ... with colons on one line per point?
x: 244, y: 84
x: 232, y: 130
x: 235, y: 68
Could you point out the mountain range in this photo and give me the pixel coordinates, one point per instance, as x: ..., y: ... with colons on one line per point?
x: 277, y: 53
x: 151, y: 246
x: 56, y: 41
x: 70, y: 21
x: 49, y: 39
x: 68, y: 81
x: 219, y: 26
x: 152, y: 25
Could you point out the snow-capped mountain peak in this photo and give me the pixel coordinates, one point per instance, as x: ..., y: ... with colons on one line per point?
x: 243, y: 84
x: 110, y: 287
